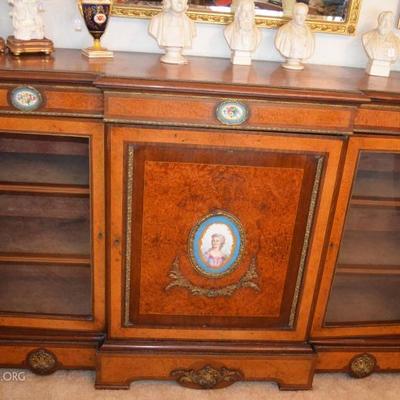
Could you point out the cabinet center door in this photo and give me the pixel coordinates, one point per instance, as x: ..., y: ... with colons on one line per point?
x: 213, y: 237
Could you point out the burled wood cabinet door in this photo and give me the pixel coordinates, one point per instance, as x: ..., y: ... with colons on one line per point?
x: 216, y: 235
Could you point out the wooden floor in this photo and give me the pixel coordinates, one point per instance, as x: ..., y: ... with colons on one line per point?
x: 79, y: 385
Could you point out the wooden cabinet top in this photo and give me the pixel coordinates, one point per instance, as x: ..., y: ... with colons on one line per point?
x: 218, y: 76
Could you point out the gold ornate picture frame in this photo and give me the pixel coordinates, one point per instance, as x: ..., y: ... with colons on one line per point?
x: 222, y: 15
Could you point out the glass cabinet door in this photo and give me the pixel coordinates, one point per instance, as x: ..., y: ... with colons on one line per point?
x: 362, y: 272
x: 367, y: 277
x: 50, y: 267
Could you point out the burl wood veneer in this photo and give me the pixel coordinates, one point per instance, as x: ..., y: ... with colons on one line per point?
x: 120, y: 164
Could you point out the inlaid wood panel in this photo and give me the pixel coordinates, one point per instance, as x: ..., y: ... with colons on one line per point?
x: 201, y: 111
x: 58, y: 99
x: 270, y: 195
x: 378, y: 119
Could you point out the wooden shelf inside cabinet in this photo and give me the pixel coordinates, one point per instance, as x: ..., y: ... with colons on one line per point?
x: 369, y: 183
x: 381, y: 162
x: 47, y: 224
x: 45, y: 259
x: 46, y: 189
x: 368, y: 269
x: 374, y: 202
x: 364, y: 299
x: 44, y: 169
x: 45, y: 289
x: 370, y: 247
x: 38, y: 160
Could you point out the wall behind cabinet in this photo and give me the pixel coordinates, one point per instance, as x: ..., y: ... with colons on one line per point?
x: 131, y: 34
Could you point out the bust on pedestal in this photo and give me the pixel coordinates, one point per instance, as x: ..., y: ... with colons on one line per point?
x: 28, y: 29
x: 382, y: 46
x: 242, y: 35
x: 173, y: 30
x: 295, y: 40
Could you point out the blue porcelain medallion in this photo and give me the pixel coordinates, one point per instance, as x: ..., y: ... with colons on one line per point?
x: 26, y: 98
x: 232, y: 112
x: 216, y: 244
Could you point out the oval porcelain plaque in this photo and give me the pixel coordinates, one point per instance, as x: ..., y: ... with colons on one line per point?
x: 26, y: 98
x: 232, y: 112
x: 216, y: 244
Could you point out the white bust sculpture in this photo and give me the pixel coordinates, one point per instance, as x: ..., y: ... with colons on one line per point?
x: 26, y: 19
x: 242, y: 35
x: 382, y: 45
x: 173, y: 30
x: 295, y: 40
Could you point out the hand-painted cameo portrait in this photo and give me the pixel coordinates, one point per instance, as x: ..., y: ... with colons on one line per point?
x: 216, y: 244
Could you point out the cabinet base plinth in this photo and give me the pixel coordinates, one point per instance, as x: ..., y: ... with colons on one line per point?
x: 120, y: 364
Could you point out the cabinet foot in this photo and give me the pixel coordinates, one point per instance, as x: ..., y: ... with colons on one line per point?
x: 118, y: 366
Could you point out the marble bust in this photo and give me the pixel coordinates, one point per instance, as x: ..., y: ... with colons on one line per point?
x: 294, y: 40
x: 26, y: 20
x: 242, y: 35
x: 173, y: 30
x: 382, y: 45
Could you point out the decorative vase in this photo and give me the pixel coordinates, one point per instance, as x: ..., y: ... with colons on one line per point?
x: 96, y: 14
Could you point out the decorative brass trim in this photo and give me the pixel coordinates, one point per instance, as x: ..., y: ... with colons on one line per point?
x: 306, y: 242
x: 51, y: 114
x: 247, y: 280
x: 377, y: 131
x: 241, y: 248
x: 128, y: 241
x: 289, y: 129
x: 347, y: 27
x: 42, y: 361
x: 380, y: 107
x: 207, y: 377
x: 362, y: 365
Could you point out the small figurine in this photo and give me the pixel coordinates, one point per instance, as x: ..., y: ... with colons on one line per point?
x: 295, y: 40
x: 2, y: 45
x: 173, y: 30
x: 26, y: 19
x: 28, y: 29
x: 382, y: 45
x: 242, y: 35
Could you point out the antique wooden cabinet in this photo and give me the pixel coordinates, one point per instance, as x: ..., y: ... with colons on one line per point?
x: 248, y: 220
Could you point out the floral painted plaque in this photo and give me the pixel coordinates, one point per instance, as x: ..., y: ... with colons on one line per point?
x: 232, y: 112
x: 216, y: 244
x: 26, y: 98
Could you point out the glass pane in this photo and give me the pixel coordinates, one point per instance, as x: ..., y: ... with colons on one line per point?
x: 367, y: 278
x: 44, y: 224
x: 44, y: 160
x: 45, y: 289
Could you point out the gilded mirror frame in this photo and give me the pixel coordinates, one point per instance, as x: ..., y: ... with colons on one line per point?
x: 347, y: 27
